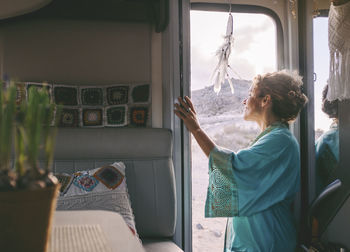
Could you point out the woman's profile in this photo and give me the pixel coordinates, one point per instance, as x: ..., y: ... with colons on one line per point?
x: 255, y: 187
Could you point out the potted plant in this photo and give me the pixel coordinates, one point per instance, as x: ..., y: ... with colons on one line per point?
x: 28, y: 190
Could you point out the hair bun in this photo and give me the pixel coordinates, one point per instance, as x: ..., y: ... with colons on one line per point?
x: 291, y: 93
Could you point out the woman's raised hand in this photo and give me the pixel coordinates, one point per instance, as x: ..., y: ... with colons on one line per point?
x: 185, y: 111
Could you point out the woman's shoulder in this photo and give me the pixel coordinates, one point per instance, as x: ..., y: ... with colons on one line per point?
x: 329, y: 138
x: 280, y: 137
x: 330, y: 134
x: 281, y: 134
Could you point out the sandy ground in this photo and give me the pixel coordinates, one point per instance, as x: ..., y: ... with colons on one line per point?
x: 231, y: 132
x: 207, y: 233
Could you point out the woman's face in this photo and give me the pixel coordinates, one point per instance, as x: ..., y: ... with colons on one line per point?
x: 252, y: 109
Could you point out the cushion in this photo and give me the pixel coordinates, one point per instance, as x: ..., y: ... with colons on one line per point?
x: 103, y: 188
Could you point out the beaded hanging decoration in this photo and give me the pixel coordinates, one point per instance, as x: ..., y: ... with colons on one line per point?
x: 91, y: 96
x: 117, y: 95
x: 69, y: 117
x: 221, y: 71
x: 110, y: 176
x: 66, y: 95
x: 92, y: 117
x: 140, y: 93
x: 116, y: 115
x: 85, y: 182
x: 138, y: 116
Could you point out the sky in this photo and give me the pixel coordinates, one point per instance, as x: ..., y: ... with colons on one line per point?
x: 254, y: 50
x: 321, y: 68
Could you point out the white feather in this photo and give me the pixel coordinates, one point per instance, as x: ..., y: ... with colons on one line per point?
x: 223, y: 53
x: 217, y: 85
x: 231, y: 85
x: 229, y: 28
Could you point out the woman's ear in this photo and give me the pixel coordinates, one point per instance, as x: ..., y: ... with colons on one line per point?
x: 266, y: 101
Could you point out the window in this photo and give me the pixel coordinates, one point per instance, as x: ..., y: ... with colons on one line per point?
x: 254, y: 52
x: 321, y: 68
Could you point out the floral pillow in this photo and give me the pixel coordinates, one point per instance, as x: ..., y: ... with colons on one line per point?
x: 103, y: 188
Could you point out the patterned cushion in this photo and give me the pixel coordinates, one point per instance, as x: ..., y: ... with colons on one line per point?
x: 65, y: 181
x: 103, y: 188
x: 110, y: 176
x: 85, y: 182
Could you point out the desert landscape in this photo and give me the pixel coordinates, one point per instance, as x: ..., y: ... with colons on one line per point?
x: 221, y: 116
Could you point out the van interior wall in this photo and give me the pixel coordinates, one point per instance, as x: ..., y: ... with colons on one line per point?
x: 82, y: 52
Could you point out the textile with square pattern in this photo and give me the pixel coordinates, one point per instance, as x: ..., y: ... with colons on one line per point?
x: 138, y: 116
x: 91, y: 96
x: 20, y: 93
x: 39, y: 86
x: 140, y: 93
x: 116, y: 115
x: 117, y: 95
x: 65, y: 180
x: 66, y: 95
x: 69, y: 118
x: 103, y: 188
x: 93, y: 117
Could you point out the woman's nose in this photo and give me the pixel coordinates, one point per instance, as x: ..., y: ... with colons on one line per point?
x: 244, y: 101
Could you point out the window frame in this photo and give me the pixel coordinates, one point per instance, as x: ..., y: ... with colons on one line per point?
x: 185, y: 89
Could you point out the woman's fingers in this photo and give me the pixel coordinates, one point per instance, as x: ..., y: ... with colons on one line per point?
x: 180, y: 115
x: 180, y: 108
x: 190, y: 104
x: 185, y: 111
x: 183, y: 104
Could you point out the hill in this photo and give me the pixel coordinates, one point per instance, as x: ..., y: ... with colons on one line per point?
x: 209, y: 103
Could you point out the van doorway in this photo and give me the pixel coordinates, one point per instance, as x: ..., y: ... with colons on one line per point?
x: 220, y: 115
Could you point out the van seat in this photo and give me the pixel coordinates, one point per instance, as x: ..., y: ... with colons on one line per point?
x: 147, y: 155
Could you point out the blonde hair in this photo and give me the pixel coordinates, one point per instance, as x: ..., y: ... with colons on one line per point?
x: 285, y: 90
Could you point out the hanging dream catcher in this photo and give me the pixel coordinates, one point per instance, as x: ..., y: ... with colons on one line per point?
x: 220, y: 73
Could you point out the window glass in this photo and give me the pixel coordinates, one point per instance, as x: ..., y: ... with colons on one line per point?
x: 321, y: 68
x: 326, y: 113
x: 220, y: 115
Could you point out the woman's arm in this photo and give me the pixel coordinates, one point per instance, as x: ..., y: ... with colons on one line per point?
x: 185, y: 111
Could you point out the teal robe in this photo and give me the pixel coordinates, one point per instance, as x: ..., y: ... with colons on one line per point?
x: 327, y: 157
x: 256, y: 187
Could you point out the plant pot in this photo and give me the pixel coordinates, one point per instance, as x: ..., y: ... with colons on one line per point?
x: 26, y: 218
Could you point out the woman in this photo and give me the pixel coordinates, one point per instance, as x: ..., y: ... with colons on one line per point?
x: 327, y: 146
x: 256, y: 186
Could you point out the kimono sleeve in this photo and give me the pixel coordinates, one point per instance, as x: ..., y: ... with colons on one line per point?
x: 254, y: 179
